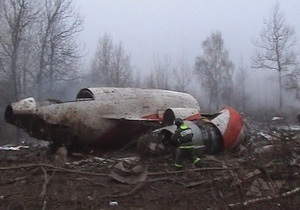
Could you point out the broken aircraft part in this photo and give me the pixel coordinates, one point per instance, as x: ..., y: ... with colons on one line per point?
x: 129, y: 172
x: 100, y: 117
x: 230, y: 124
x: 224, y: 130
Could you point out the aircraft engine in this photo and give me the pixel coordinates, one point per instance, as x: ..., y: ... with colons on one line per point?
x: 212, y: 133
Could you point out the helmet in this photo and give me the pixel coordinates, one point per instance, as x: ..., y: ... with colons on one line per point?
x: 178, y: 121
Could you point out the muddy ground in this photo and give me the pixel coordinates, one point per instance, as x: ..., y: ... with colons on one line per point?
x: 264, y: 173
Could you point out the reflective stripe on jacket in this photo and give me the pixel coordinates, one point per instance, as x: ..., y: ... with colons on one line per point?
x: 183, y: 135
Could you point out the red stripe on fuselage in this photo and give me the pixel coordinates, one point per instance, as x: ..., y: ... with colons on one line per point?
x: 194, y: 117
x: 153, y: 117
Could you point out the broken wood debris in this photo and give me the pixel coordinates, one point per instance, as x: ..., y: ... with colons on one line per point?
x: 230, y: 180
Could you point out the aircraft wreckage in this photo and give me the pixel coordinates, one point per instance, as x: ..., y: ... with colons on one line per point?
x: 107, y: 117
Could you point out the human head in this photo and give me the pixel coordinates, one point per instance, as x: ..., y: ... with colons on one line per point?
x: 178, y: 122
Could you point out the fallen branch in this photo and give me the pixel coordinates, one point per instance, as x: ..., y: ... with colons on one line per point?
x: 44, y: 205
x: 192, y: 170
x: 193, y: 184
x: 47, y: 180
x: 166, y: 179
x: 51, y: 166
x: 267, y: 198
x: 99, y: 174
x: 18, y: 179
x: 241, y: 180
x: 95, y: 183
x: 247, y: 176
x: 11, y: 181
x: 238, y: 181
x: 6, y: 196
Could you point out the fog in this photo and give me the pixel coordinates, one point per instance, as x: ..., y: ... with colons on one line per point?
x: 173, y: 27
x: 178, y: 27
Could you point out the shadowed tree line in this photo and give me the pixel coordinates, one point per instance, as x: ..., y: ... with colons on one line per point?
x: 40, y: 56
x: 38, y: 48
x: 39, y: 53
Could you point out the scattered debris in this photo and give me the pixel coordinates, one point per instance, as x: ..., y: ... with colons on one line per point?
x: 13, y: 147
x: 265, y: 149
x: 263, y: 173
x: 266, y: 136
x: 276, y: 118
x: 260, y: 187
x: 113, y: 203
x: 61, y: 155
x: 129, y: 172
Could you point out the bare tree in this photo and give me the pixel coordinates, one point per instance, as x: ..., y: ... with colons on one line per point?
x: 137, y: 78
x: 240, y: 86
x: 275, y: 47
x: 16, y: 18
x: 121, y: 72
x: 58, y: 50
x: 111, y: 66
x: 182, y: 73
x: 102, y: 61
x: 37, y: 46
x: 39, y: 49
x: 214, y: 70
x: 159, y: 77
x: 162, y: 71
x: 291, y: 82
x: 150, y: 81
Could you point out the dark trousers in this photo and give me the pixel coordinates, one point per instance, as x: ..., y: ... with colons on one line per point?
x: 185, y: 153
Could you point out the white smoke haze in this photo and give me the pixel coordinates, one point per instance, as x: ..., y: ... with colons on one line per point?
x: 173, y: 27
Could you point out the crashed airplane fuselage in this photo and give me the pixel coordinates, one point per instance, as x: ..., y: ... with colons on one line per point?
x: 101, y: 117
x: 112, y: 117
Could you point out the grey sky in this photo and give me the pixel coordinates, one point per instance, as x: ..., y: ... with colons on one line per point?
x: 173, y: 27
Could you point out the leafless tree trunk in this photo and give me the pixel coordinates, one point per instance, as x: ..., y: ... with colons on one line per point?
x: 42, y: 34
x: 160, y: 75
x: 58, y: 50
x: 16, y: 17
x: 183, y: 74
x: 291, y: 82
x: 150, y: 81
x: 275, y: 47
x: 111, y: 66
x: 214, y: 70
x: 137, y: 79
x: 37, y: 45
x: 121, y: 73
x: 102, y: 61
x: 240, y: 86
x: 162, y: 69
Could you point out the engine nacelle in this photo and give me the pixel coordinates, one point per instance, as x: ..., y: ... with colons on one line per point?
x: 212, y: 133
